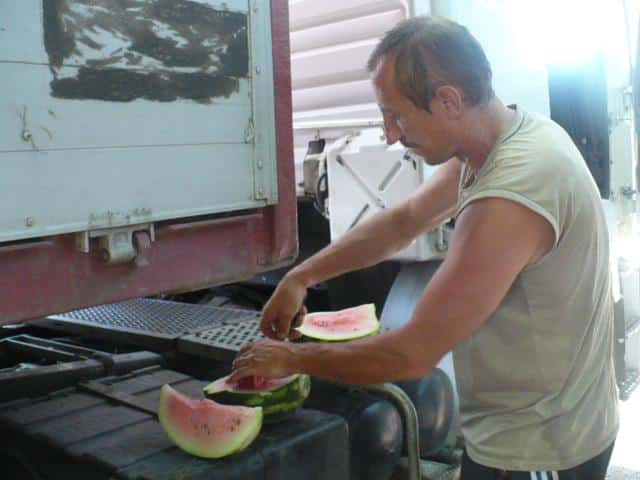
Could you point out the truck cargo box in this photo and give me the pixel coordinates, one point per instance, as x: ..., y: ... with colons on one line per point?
x: 145, y: 147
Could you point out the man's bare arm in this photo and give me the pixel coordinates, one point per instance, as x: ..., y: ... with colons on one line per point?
x: 494, y: 241
x: 367, y: 244
x: 379, y: 237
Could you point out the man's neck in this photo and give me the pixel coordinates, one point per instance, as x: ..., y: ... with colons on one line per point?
x: 484, y: 126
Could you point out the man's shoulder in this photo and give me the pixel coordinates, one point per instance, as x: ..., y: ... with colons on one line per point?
x: 539, y: 146
x: 543, y: 133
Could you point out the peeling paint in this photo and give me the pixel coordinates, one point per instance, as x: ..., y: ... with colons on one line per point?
x: 161, y: 50
x: 118, y: 85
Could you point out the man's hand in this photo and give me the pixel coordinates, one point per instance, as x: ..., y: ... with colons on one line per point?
x: 284, y: 311
x: 266, y: 358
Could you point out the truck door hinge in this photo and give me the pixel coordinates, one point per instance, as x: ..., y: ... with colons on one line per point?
x: 120, y: 245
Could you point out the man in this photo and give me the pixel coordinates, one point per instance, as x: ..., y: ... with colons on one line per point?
x: 523, y: 297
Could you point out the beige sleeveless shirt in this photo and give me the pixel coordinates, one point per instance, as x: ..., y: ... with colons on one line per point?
x: 536, y: 382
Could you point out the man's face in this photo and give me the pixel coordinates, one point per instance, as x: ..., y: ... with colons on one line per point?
x: 427, y: 134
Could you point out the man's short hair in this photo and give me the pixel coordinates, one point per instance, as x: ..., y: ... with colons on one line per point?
x: 431, y: 52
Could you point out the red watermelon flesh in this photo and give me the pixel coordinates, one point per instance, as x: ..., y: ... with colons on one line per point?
x: 253, y: 382
x: 205, y: 428
x: 347, y: 324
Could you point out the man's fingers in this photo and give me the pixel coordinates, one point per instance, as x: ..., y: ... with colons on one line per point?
x: 245, y: 348
x: 239, y: 373
x: 242, y: 365
x: 267, y: 323
x: 297, y: 321
x: 241, y: 362
x: 282, y: 326
x: 276, y: 326
x: 300, y: 316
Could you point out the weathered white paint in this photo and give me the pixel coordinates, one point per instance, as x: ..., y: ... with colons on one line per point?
x: 22, y: 35
x: 73, y: 165
x: 62, y: 191
x: 62, y: 123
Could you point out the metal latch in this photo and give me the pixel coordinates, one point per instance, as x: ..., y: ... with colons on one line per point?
x: 120, y: 245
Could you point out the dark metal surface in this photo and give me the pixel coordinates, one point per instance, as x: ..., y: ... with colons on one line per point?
x: 43, y: 379
x: 110, y: 393
x: 433, y: 397
x: 28, y: 346
x: 96, y: 429
x: 58, y: 365
x: 375, y: 428
x: 410, y: 417
x: 578, y: 102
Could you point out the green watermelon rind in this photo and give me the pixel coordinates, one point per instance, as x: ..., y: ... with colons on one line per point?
x: 275, y: 403
x: 241, y: 442
x: 375, y: 328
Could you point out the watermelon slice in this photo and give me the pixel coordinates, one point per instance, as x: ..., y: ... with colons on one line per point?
x: 278, y: 397
x: 205, y: 428
x: 347, y: 324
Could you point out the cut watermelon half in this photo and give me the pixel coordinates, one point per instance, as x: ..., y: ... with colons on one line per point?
x: 347, y: 324
x: 278, y: 397
x: 205, y: 428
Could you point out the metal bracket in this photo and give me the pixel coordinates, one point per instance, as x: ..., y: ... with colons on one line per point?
x: 408, y: 412
x: 120, y: 245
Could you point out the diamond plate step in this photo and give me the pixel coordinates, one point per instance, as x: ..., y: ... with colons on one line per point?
x: 222, y: 342
x: 151, y: 323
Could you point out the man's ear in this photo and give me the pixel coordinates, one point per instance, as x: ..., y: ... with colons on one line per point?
x: 449, y: 100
